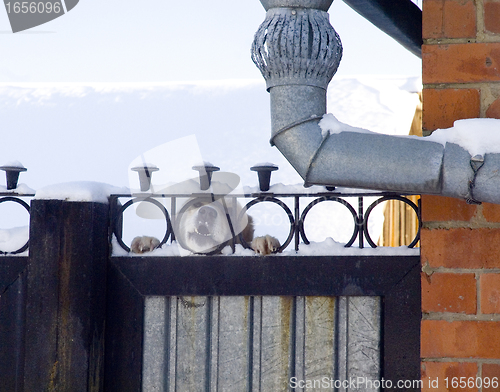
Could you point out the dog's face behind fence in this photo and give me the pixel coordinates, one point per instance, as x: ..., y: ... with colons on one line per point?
x: 203, y: 225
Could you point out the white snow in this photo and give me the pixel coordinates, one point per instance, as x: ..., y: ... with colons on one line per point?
x: 302, y: 190
x: 477, y: 135
x: 14, y: 239
x: 80, y: 191
x: 328, y: 247
x: 22, y: 189
x: 330, y: 125
x: 14, y: 164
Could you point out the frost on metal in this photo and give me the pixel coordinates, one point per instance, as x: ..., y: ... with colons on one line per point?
x: 297, y: 46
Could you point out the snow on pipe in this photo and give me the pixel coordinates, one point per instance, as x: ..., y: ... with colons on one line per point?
x: 298, y: 52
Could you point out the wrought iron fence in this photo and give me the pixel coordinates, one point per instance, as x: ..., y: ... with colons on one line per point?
x: 296, y: 206
x: 22, y: 200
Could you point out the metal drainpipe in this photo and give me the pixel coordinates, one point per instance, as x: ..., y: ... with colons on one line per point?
x: 298, y: 52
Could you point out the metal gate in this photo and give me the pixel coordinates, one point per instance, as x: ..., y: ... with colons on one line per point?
x: 262, y: 324
x: 73, y: 318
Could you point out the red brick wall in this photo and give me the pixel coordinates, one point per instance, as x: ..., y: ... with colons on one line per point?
x: 460, y: 243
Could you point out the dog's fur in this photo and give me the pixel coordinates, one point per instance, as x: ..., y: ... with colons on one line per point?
x: 144, y: 244
x: 203, y: 226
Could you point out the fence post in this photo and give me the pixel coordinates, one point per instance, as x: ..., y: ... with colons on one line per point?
x: 65, y: 302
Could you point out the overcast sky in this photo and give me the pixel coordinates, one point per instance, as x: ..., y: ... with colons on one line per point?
x: 165, y: 40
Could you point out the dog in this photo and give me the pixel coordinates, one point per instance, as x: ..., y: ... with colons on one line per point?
x: 144, y: 244
x: 205, y: 226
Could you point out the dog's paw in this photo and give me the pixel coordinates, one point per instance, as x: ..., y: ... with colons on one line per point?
x: 265, y: 245
x: 144, y: 244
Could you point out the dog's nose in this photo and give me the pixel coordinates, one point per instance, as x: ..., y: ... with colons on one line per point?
x: 207, y: 213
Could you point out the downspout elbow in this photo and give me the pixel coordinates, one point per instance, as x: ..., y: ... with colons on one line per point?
x: 298, y: 52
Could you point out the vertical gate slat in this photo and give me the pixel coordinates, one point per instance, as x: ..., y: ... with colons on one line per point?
x: 275, y: 343
x: 319, y: 339
x: 233, y: 349
x: 300, y: 340
x: 364, y: 338
x: 341, y: 341
x: 193, y: 344
x: 214, y: 343
x: 359, y: 340
x: 256, y: 344
x: 155, y: 340
x: 170, y: 358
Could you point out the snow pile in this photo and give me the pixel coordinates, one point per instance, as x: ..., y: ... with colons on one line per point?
x: 22, y: 189
x: 14, y: 239
x: 329, y: 247
x: 476, y: 135
x: 80, y: 191
x: 330, y: 125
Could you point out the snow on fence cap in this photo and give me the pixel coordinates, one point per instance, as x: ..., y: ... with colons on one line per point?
x: 14, y: 164
x: 79, y: 191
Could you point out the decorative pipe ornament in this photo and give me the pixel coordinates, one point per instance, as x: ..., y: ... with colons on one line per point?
x: 205, y: 171
x: 145, y: 174
x: 264, y: 172
x: 12, y: 173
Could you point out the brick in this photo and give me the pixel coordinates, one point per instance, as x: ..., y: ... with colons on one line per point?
x: 432, y: 19
x: 491, y: 212
x: 460, y: 339
x: 441, y: 107
x: 460, y: 248
x: 432, y: 371
x: 493, y: 110
x: 490, y: 293
x: 461, y: 63
x: 460, y: 19
x: 440, y: 208
x: 448, y: 292
x: 491, y: 372
x: 492, y: 16
x: 448, y: 19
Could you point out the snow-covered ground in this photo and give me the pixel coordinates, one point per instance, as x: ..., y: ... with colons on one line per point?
x: 76, y: 134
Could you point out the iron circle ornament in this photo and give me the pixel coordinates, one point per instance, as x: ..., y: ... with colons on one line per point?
x: 321, y: 200
x: 119, y: 219
x: 287, y: 210
x: 388, y: 198
x: 27, y: 207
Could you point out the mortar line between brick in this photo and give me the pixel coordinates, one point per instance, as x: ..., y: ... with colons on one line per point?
x: 478, y: 294
x: 458, y: 86
x: 451, y: 317
x: 462, y: 360
x: 480, y: 28
x: 480, y: 374
x: 478, y: 271
x: 472, y: 225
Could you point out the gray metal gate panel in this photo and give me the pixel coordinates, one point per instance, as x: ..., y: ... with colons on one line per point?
x: 241, y: 343
x: 323, y: 296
